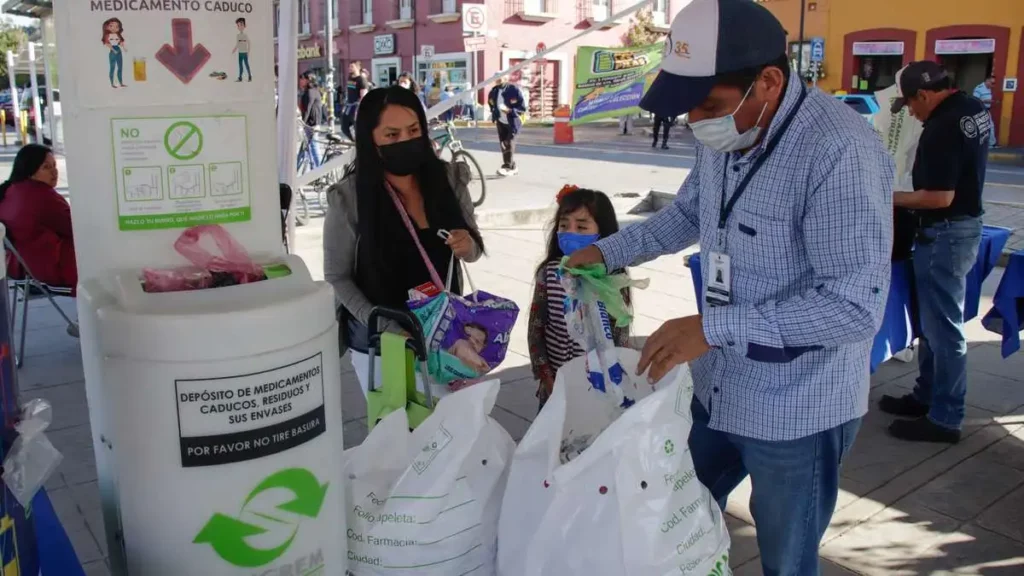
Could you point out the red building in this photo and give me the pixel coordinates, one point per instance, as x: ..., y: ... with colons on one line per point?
x: 388, y: 37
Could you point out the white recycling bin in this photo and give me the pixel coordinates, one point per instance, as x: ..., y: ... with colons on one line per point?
x: 218, y: 417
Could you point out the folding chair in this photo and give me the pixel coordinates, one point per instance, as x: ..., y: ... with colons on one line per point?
x: 25, y: 284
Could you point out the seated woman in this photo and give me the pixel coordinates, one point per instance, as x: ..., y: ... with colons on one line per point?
x: 38, y: 219
x: 370, y: 255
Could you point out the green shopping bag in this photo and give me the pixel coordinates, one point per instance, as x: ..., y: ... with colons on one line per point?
x: 399, y: 355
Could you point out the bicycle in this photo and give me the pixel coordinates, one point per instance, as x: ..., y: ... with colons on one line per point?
x: 447, y: 142
x: 308, y: 159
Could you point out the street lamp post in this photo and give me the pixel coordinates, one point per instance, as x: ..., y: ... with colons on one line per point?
x: 800, y: 42
x: 329, y: 44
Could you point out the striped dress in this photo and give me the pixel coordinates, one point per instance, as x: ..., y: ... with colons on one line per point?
x: 548, y: 337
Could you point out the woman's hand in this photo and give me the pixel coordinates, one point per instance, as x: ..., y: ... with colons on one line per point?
x: 461, y: 243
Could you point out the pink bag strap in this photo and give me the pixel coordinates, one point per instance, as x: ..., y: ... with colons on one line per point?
x: 434, y: 276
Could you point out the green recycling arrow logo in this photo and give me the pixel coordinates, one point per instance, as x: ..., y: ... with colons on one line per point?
x: 227, y: 535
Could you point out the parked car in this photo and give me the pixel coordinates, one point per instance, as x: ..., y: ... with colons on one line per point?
x: 25, y: 101
x: 864, y: 104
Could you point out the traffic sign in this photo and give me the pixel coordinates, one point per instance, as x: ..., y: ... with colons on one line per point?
x: 427, y: 51
x: 474, y: 19
x: 474, y: 43
x: 541, y: 48
x: 817, y: 49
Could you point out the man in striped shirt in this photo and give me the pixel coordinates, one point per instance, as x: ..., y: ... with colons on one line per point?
x: 791, y: 200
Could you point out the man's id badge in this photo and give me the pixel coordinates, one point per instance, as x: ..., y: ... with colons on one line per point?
x: 719, y: 290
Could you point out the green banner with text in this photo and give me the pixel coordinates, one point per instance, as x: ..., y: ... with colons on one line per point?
x: 611, y: 81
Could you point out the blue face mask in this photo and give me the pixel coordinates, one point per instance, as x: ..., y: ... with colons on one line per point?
x: 570, y: 242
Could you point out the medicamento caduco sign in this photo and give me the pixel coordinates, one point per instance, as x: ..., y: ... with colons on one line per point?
x: 239, y: 418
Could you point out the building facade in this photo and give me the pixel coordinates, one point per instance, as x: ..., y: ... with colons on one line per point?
x: 867, y: 41
x: 388, y: 37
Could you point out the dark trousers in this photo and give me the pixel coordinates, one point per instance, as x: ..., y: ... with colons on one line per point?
x: 507, y: 140
x: 662, y: 123
x: 348, y: 120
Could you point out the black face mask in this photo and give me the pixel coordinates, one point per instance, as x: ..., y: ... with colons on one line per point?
x: 403, y: 158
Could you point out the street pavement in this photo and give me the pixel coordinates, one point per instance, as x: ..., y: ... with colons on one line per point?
x: 903, y: 509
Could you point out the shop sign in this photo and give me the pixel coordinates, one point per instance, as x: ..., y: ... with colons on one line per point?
x: 309, y: 52
x: 383, y: 44
x: 878, y: 48
x: 966, y: 46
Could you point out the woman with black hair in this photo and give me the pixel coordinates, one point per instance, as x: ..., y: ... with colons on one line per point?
x: 38, y: 219
x: 395, y: 188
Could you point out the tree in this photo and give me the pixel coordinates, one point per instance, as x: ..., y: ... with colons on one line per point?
x: 641, y: 30
x: 11, y: 38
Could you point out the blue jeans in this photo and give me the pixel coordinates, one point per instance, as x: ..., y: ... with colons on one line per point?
x: 116, y: 66
x: 243, y: 60
x: 943, y: 255
x: 795, y: 486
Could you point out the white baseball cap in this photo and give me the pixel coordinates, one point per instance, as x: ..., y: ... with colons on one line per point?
x: 709, y: 38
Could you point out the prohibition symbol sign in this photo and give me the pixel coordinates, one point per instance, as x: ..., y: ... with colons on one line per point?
x: 183, y: 140
x: 476, y: 18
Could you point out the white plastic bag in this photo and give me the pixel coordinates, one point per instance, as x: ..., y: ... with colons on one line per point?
x: 900, y: 133
x: 32, y: 459
x: 628, y: 505
x: 427, y: 502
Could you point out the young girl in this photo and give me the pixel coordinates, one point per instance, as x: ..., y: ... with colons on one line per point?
x: 583, y: 217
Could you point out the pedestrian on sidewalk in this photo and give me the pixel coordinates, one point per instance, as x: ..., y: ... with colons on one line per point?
x: 626, y: 124
x: 662, y: 123
x: 948, y: 177
x: 983, y: 92
x: 506, y: 103
x: 372, y: 256
x: 356, y: 87
x: 790, y: 199
x: 583, y: 217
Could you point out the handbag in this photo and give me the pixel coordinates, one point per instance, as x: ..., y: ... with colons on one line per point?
x: 466, y: 337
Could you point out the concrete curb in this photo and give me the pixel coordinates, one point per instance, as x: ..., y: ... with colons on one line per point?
x: 1012, y: 157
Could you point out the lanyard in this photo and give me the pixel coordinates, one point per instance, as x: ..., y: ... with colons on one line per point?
x: 725, y: 208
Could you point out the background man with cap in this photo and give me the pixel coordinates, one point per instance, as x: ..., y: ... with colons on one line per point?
x: 948, y: 176
x: 791, y: 201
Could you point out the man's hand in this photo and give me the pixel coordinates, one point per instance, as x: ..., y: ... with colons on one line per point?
x: 461, y: 243
x: 677, y: 341
x: 589, y: 255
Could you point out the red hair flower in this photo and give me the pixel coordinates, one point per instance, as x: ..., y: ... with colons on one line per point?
x: 566, y: 190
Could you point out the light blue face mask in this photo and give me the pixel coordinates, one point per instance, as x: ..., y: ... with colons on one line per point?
x: 721, y: 133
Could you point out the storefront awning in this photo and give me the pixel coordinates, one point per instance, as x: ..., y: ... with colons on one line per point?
x: 29, y: 8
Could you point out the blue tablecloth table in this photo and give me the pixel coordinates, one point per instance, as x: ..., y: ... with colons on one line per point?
x: 1007, y: 311
x: 897, y: 332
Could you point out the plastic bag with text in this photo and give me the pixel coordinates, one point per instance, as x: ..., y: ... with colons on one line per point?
x: 427, y: 502
x: 593, y: 298
x: 32, y: 459
x: 629, y: 504
x: 233, y: 266
x: 900, y: 133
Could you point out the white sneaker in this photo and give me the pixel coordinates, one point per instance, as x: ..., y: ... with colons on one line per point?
x: 511, y: 171
x: 503, y: 172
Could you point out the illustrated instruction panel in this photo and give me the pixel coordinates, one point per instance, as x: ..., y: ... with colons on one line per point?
x: 180, y: 172
x: 171, y: 52
x: 239, y: 418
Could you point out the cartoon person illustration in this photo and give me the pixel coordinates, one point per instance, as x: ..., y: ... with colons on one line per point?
x: 242, y: 48
x: 468, y: 349
x: 113, y: 39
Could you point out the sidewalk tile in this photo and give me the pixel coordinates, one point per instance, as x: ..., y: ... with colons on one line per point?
x: 50, y: 370
x: 518, y: 397
x: 1009, y: 451
x: 890, y: 542
x: 67, y: 400
x: 75, y: 444
x: 514, y: 424
x: 973, y: 550
x: 354, y: 432
x: 1004, y: 516
x: 968, y: 489
x: 87, y: 497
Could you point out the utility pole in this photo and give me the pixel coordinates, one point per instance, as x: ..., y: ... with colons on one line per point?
x: 800, y: 43
x: 329, y: 44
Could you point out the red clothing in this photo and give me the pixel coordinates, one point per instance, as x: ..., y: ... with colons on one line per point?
x: 38, y: 222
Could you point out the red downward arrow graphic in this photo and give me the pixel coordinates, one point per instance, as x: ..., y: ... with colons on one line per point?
x: 183, y: 59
